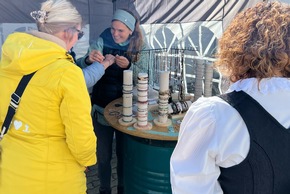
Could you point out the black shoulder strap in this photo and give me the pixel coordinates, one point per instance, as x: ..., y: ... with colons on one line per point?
x: 15, y: 99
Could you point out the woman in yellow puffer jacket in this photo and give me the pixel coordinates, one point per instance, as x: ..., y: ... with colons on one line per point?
x: 51, y: 140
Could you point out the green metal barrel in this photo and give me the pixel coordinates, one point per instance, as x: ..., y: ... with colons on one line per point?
x: 146, y: 165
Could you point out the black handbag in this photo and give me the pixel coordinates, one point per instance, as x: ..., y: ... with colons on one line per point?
x: 15, y: 100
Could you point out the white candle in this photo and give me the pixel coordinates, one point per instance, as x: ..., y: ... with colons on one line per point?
x: 127, y: 77
x: 127, y: 96
x: 164, y: 81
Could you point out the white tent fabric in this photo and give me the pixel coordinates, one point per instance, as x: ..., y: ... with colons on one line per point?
x: 190, y: 26
x: 165, y: 23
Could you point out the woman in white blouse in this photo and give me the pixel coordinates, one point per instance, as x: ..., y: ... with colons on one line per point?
x: 234, y: 145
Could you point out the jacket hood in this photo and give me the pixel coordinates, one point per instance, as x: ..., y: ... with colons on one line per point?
x: 24, y: 53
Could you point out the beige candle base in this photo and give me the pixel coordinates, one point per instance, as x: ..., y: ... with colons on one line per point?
x: 147, y: 127
x: 177, y: 116
x: 168, y: 123
x: 127, y: 124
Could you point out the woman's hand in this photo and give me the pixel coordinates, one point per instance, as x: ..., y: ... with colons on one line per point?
x: 122, y: 61
x: 94, y: 56
x: 109, y: 60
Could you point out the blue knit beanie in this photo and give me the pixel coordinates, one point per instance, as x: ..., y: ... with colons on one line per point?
x: 126, y: 18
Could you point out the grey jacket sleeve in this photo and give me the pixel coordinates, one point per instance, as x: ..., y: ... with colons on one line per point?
x: 93, y: 73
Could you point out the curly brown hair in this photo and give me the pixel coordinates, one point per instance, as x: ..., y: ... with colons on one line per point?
x: 256, y: 43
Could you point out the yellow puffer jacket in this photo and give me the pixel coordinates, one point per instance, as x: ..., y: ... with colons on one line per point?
x: 51, y: 138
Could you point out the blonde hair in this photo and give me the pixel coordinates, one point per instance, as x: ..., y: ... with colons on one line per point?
x: 256, y: 43
x: 56, y: 15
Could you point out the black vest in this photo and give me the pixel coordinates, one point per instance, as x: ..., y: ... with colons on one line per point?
x: 266, y: 169
x: 110, y: 86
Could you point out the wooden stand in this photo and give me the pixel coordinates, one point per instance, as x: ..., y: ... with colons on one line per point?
x: 141, y: 148
x: 168, y: 123
x: 166, y: 133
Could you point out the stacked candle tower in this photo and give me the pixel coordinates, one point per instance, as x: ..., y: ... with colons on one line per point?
x: 142, y: 103
x: 162, y: 119
x: 208, y: 79
x: 127, y: 117
x: 199, y: 80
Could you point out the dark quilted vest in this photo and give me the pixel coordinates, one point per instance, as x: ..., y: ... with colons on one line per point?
x: 266, y: 169
x: 110, y: 86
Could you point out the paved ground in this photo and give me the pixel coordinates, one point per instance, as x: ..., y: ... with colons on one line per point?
x: 93, y: 182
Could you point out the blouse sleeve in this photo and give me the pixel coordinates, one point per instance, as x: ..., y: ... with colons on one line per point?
x: 203, y: 146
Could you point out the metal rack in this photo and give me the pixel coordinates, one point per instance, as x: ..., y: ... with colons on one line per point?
x: 189, y: 74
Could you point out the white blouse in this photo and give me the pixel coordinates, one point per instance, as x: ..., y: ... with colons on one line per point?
x: 213, y: 134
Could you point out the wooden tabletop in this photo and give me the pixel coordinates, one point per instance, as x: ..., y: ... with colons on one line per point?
x: 113, y: 112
